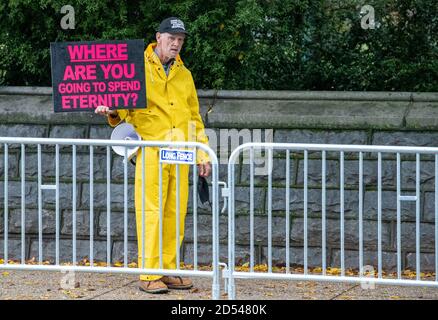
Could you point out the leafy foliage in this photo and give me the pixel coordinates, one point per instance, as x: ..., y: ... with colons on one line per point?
x: 245, y: 44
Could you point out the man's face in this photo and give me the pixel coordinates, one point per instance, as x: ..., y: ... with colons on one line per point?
x: 170, y: 44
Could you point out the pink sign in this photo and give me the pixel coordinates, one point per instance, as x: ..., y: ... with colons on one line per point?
x: 88, y: 74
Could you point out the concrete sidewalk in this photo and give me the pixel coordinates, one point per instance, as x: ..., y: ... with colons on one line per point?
x: 19, y: 285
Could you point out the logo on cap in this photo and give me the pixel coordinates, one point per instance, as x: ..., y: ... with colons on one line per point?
x: 177, y: 24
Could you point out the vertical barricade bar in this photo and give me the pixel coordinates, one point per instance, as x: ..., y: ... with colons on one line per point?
x: 379, y: 214
x: 231, y: 258
x: 305, y: 209
x: 251, y: 208
x: 57, y: 201
x: 40, y: 209
x: 160, y: 191
x: 287, y: 210
x: 269, y: 210
x: 23, y: 204
x: 6, y: 213
x: 74, y: 230
x: 91, y: 207
x: 342, y: 215
x: 436, y: 217
x: 361, y: 214
x: 195, y: 216
x: 417, y: 216
x: 398, y: 220
x: 323, y: 213
x: 215, y: 209
x: 177, y: 218
x: 108, y: 206
x: 125, y: 208
x: 143, y: 199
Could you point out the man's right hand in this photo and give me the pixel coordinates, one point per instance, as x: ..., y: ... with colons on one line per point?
x: 104, y: 110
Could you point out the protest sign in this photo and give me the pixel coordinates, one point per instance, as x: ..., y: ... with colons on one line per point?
x: 87, y: 74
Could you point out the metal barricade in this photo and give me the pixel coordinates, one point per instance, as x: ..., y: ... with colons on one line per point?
x: 24, y: 189
x: 312, y: 241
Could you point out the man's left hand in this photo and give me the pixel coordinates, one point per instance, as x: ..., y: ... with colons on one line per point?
x: 204, y: 169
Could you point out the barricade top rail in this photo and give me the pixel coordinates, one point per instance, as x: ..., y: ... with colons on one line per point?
x: 332, y: 147
x: 107, y: 142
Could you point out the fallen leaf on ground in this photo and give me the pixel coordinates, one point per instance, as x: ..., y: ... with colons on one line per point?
x: 72, y: 294
x: 261, y: 268
x: 100, y: 264
x: 32, y: 261
x: 333, y: 271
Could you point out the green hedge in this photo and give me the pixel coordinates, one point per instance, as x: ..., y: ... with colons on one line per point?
x: 247, y: 44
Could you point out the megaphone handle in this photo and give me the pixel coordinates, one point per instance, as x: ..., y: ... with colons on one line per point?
x: 132, y: 161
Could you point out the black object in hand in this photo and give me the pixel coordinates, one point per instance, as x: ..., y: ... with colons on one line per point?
x: 203, y: 191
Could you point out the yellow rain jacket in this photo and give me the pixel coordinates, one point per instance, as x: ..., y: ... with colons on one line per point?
x: 172, y: 114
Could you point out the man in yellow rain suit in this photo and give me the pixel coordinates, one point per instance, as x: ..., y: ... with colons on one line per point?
x: 172, y: 114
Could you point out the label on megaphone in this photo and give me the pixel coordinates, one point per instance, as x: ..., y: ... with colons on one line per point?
x: 177, y: 156
x: 125, y: 131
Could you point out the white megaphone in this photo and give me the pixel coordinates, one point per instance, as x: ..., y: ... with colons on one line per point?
x: 125, y: 131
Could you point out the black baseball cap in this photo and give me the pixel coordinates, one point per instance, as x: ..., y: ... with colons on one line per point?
x: 172, y: 25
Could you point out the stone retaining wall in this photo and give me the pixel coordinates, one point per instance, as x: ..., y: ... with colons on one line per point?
x: 373, y: 118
